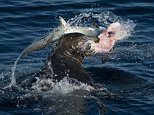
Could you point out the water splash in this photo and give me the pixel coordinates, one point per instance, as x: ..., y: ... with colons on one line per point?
x: 13, y: 78
x: 43, y: 84
x: 87, y: 18
x: 103, y: 20
x: 63, y: 86
x: 127, y: 27
x: 2, y: 76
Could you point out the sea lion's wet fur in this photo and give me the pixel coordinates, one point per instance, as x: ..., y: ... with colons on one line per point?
x: 66, y: 60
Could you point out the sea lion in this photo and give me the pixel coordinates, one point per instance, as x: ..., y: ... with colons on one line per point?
x: 66, y: 59
x: 55, y: 35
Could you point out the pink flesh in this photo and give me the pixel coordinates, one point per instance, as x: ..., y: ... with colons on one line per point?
x: 106, y: 42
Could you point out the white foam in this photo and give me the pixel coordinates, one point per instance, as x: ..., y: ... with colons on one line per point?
x: 63, y: 86
x: 43, y: 84
x: 126, y: 29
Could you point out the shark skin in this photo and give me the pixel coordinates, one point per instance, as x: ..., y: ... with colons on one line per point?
x: 58, y: 32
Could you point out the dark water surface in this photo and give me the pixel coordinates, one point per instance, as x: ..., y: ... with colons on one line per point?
x: 128, y: 74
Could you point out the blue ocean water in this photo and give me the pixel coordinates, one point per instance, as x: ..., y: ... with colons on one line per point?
x: 128, y: 73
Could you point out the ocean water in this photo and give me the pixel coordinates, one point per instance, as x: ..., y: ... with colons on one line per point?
x: 127, y: 76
